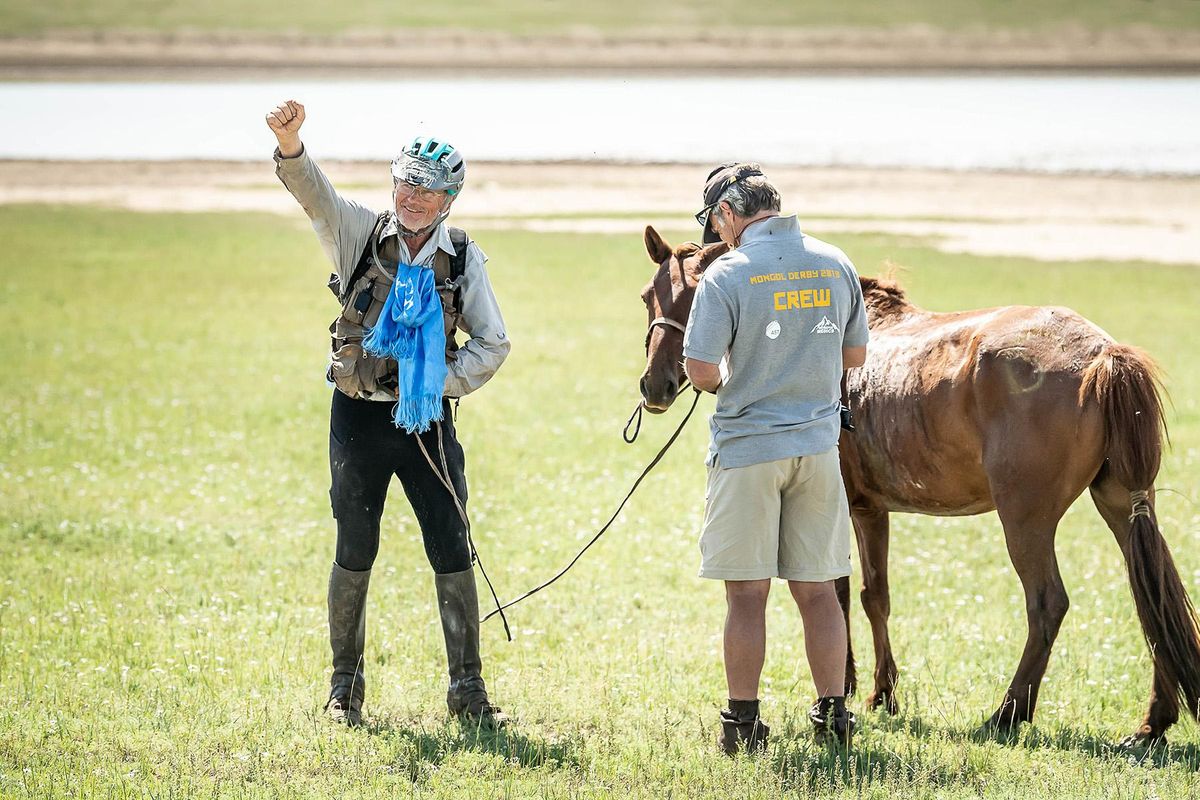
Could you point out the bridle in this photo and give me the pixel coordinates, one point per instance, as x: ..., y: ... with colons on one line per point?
x: 635, y: 419
x: 666, y: 323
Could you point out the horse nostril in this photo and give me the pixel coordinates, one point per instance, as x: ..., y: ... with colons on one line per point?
x: 642, y: 386
x: 672, y: 387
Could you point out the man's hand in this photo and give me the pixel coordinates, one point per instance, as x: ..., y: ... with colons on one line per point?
x: 285, y: 121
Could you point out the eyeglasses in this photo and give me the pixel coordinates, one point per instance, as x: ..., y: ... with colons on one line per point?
x: 407, y: 190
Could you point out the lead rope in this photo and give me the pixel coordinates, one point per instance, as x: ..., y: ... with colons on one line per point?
x: 443, y: 475
x: 637, y: 416
x: 500, y: 608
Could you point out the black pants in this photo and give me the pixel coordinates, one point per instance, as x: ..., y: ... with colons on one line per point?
x: 365, y: 450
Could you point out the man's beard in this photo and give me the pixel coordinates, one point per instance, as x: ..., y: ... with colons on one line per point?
x: 434, y: 218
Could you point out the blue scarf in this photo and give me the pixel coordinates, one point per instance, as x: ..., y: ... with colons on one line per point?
x: 410, y: 330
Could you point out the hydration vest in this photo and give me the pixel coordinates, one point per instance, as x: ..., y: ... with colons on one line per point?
x: 362, y: 376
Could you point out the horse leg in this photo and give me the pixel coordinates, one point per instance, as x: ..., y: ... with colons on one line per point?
x: 1112, y: 501
x: 842, y: 586
x: 1029, y: 529
x: 872, y: 530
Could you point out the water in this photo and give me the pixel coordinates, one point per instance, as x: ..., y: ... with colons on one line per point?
x: 1129, y: 124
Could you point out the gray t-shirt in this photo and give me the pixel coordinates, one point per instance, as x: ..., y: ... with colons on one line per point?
x: 781, y: 306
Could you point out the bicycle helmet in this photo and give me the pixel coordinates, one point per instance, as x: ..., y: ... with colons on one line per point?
x: 431, y: 163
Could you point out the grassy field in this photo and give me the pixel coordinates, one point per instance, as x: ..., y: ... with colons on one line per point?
x: 166, y: 536
x: 542, y: 16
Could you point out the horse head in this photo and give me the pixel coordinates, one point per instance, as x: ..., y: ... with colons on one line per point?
x: 668, y: 299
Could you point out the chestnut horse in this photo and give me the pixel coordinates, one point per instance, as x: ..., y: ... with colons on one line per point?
x: 1015, y: 409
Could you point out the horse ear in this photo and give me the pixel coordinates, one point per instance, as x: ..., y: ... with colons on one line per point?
x: 658, y: 249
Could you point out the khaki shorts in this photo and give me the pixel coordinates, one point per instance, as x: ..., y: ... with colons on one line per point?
x: 781, y: 519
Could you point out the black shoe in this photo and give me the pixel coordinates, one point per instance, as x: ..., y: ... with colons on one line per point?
x: 467, y: 699
x: 737, y: 733
x: 344, y: 709
x: 833, y: 723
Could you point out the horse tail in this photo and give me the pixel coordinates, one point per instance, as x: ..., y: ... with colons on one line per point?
x: 1126, y: 383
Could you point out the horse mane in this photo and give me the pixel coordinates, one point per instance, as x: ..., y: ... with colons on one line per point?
x: 695, y: 267
x: 884, y: 296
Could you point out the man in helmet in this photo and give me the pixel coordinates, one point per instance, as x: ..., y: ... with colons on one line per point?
x: 366, y: 447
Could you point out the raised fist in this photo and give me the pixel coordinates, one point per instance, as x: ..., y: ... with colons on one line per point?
x: 285, y: 119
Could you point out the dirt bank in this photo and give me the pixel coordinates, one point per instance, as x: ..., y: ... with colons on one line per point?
x: 1041, y: 216
x: 108, y: 54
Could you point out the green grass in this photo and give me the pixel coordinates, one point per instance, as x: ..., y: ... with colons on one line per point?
x: 544, y: 16
x: 166, y: 539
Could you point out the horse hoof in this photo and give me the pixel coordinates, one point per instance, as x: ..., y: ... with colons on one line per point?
x: 1000, y: 729
x: 1142, y: 742
x: 886, y: 700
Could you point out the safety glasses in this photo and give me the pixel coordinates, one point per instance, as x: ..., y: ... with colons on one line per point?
x: 420, y: 193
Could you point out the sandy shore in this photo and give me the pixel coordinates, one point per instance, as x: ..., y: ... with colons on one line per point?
x: 1052, y: 217
x: 198, y: 54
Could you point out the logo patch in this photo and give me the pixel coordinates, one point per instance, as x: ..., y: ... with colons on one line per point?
x: 825, y: 326
x: 773, y: 329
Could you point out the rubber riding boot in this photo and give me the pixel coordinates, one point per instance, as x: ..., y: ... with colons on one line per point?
x: 347, y: 635
x: 833, y: 723
x: 741, y: 728
x: 458, y: 604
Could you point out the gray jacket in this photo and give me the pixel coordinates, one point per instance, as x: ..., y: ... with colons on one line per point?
x: 344, y: 229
